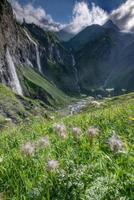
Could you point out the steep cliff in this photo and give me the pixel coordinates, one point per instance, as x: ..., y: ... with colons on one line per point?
x: 24, y: 47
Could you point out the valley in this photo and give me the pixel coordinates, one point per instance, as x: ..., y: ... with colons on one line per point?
x: 66, y: 112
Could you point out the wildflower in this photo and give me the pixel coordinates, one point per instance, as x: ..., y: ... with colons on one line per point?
x: 53, y: 164
x: 43, y: 142
x: 60, y: 129
x: 115, y: 143
x: 76, y: 132
x: 92, y: 133
x: 131, y: 118
x: 28, y: 148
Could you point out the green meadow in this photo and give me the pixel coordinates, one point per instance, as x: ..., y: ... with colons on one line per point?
x: 38, y: 162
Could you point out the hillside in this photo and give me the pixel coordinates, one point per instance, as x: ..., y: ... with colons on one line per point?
x: 104, y: 57
x: 71, y: 165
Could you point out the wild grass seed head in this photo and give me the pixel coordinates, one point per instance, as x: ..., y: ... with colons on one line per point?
x: 76, y: 132
x: 28, y: 148
x: 115, y: 143
x: 43, y: 142
x: 53, y: 165
x: 61, y: 131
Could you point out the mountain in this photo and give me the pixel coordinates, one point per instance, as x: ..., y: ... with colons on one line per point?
x: 104, y: 57
x: 36, y: 64
x: 27, y: 45
x: 64, y: 35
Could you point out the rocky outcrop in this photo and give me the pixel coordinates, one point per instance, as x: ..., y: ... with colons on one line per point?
x: 30, y: 46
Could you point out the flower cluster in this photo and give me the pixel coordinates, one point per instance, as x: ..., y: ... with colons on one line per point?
x: 29, y: 148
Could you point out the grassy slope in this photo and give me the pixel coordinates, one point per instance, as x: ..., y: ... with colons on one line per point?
x: 86, y: 172
x: 9, y: 104
x: 18, y: 108
x: 54, y: 93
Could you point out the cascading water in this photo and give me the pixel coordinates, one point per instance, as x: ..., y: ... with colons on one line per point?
x: 76, y: 73
x: 37, y: 52
x: 15, y: 83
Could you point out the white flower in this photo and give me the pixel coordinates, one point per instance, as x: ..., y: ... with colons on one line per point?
x: 115, y: 143
x: 43, y: 142
x: 76, y: 132
x: 28, y: 148
x: 53, y: 164
x: 93, y: 132
x: 60, y: 129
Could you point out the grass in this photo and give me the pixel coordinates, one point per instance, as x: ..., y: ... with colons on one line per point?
x: 9, y: 105
x: 18, y: 108
x: 55, y: 96
x: 86, y: 172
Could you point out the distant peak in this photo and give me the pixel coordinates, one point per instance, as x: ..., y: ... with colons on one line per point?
x: 110, y: 24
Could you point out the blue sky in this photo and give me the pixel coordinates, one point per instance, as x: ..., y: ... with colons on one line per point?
x: 61, y: 10
x: 74, y: 15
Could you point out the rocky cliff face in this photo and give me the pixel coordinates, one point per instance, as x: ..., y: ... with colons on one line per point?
x: 29, y: 46
x: 104, y: 58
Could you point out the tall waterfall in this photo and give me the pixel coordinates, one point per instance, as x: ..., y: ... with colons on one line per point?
x: 76, y: 73
x: 73, y: 60
x: 37, y: 52
x: 15, y: 83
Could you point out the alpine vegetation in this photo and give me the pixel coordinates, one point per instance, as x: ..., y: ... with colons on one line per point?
x: 28, y: 149
x: 43, y: 142
x: 53, y: 165
x: 92, y: 133
x: 76, y: 132
x: 61, y: 131
x: 115, y: 143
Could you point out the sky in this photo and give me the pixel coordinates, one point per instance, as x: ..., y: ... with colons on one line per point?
x: 75, y: 15
x: 61, y: 10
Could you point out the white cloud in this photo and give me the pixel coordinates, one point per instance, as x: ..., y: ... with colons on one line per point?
x: 84, y: 16
x: 37, y: 16
x: 124, y: 16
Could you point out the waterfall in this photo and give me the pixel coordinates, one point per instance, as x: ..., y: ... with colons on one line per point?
x: 37, y: 52
x: 76, y: 73
x: 15, y: 83
x: 73, y: 61
x: 108, y: 78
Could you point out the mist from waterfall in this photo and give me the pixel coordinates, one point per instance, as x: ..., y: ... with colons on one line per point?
x: 15, y: 83
x: 37, y: 52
